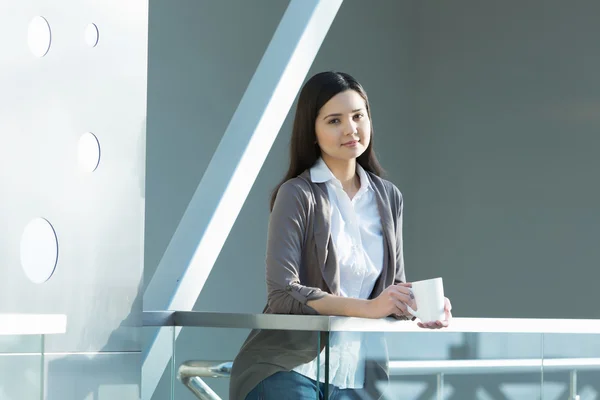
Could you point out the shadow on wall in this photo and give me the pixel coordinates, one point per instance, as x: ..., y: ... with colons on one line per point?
x: 105, y: 374
x: 101, y: 375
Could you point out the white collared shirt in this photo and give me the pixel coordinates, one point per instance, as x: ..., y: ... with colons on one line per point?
x: 358, y: 239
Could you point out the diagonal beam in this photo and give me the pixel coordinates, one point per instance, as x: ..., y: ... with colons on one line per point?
x: 218, y: 199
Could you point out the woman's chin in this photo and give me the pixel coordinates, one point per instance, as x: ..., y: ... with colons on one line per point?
x: 346, y: 154
x: 354, y: 152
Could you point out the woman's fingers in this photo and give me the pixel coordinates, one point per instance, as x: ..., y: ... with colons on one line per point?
x: 440, y: 324
x: 401, y: 297
x: 433, y: 324
x: 400, y: 305
x: 448, y: 311
x: 447, y: 304
x: 405, y: 297
x: 403, y: 289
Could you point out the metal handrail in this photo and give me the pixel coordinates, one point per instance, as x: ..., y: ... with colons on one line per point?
x: 498, y: 366
x: 205, y: 369
x: 323, y: 323
x: 191, y: 372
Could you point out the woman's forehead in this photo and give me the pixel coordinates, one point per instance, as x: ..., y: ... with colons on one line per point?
x: 344, y: 102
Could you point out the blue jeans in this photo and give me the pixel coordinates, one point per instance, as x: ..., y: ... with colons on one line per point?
x: 294, y: 386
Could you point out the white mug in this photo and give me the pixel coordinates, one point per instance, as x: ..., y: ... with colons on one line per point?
x: 429, y: 297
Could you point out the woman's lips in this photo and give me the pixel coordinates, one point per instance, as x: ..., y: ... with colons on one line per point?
x: 352, y: 143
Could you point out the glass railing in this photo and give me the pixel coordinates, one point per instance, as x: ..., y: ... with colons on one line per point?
x: 187, y: 375
x: 472, y: 359
x: 163, y: 339
x: 571, y: 365
x: 22, y: 362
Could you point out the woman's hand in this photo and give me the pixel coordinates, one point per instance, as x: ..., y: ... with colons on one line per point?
x: 392, y: 300
x: 439, y: 324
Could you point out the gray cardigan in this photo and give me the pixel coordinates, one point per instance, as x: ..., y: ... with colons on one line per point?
x: 301, y: 265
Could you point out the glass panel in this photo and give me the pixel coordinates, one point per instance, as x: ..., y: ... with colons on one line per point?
x: 215, y: 346
x: 162, y: 340
x: 437, y: 365
x: 21, y: 367
x: 571, y: 366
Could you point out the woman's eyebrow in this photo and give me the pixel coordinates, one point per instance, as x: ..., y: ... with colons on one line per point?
x: 339, y: 114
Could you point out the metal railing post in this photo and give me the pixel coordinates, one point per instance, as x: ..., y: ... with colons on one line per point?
x: 573, y: 386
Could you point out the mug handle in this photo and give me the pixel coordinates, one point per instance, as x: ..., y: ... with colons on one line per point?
x: 413, y: 312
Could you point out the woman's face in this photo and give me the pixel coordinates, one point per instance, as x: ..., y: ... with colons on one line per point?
x: 343, y: 127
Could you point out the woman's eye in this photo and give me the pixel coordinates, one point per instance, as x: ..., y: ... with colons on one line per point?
x: 359, y: 116
x: 334, y: 121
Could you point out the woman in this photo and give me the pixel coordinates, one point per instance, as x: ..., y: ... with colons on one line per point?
x: 334, y: 247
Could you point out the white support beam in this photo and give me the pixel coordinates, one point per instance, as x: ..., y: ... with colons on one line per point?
x: 32, y: 324
x: 218, y: 199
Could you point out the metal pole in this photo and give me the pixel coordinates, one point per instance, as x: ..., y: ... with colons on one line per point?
x: 573, y: 386
x: 200, y: 388
x: 43, y: 368
x: 440, y: 386
x: 326, y: 388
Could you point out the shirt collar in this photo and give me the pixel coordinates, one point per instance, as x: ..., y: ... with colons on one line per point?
x: 320, y: 173
x: 365, y: 184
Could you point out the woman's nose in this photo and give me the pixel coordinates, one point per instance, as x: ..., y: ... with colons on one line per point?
x: 351, y: 128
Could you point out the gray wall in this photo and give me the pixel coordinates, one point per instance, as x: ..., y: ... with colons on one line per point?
x: 504, y: 202
x: 46, y: 104
x: 484, y: 115
x: 195, y: 83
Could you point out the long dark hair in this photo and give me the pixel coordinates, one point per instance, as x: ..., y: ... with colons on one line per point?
x: 304, y: 153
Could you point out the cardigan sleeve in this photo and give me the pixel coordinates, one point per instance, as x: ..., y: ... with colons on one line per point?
x: 399, y: 210
x: 398, y: 207
x: 285, y: 240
